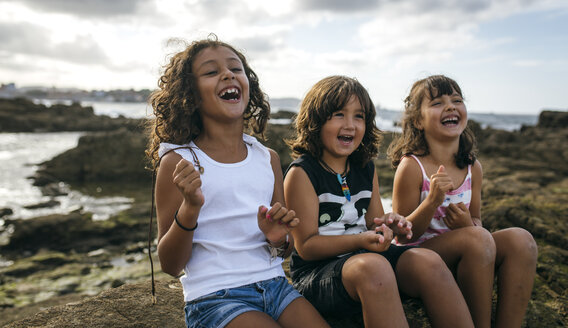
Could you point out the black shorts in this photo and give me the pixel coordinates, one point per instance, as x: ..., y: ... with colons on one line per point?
x: 320, y: 281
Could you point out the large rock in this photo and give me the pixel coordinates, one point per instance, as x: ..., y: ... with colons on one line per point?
x: 126, y: 306
x: 115, y: 156
x: 75, y: 232
x: 22, y: 115
x: 552, y: 119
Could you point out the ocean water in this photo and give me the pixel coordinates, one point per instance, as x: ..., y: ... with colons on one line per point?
x: 385, y: 119
x: 21, y: 153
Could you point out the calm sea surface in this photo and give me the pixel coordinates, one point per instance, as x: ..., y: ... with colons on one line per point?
x: 20, y: 154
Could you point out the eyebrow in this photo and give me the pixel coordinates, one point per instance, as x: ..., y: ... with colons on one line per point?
x: 229, y: 59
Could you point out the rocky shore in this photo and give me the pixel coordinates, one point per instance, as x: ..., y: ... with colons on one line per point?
x: 70, y: 270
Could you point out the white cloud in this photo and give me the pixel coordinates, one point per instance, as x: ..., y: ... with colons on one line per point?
x: 290, y: 43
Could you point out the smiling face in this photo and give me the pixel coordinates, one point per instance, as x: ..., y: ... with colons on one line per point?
x: 444, y: 116
x: 223, y: 84
x: 342, y: 133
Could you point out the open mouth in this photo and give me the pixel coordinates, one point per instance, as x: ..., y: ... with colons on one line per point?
x: 232, y: 94
x: 451, y: 120
x: 345, y: 138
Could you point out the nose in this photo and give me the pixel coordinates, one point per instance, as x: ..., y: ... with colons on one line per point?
x: 349, y: 122
x: 450, y: 105
x: 228, y: 74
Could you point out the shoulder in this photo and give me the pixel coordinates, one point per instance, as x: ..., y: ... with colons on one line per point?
x: 274, y: 158
x: 409, y: 165
x: 166, y: 148
x: 408, y: 171
x: 305, y: 160
x: 301, y: 167
x: 169, y: 161
x: 476, y: 170
x: 297, y: 178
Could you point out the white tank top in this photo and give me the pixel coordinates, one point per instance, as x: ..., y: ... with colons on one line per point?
x: 229, y: 250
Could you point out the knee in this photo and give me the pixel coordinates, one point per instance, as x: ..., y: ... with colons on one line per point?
x: 517, y: 242
x: 368, y: 271
x: 480, y: 243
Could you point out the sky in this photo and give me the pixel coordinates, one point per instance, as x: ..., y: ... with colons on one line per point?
x: 508, y: 56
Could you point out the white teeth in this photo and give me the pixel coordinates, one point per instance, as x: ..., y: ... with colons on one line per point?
x: 450, y: 120
x: 230, y: 90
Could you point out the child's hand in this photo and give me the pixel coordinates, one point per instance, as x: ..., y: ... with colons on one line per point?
x: 457, y: 216
x: 440, y: 184
x: 276, y: 222
x: 188, y: 181
x: 397, y: 223
x: 378, y: 240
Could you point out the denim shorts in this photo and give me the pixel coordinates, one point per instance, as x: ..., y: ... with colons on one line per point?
x: 217, y: 309
x: 320, y: 281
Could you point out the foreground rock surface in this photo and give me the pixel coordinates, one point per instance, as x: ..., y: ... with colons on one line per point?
x: 125, y: 306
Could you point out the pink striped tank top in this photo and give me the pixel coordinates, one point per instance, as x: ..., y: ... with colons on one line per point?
x: 460, y: 195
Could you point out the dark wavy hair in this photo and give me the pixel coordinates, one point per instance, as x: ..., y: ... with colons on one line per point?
x: 412, y: 140
x: 176, y: 102
x: 324, y: 98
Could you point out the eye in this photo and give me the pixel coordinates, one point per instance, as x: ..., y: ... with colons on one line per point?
x: 337, y: 114
x: 210, y: 72
x: 236, y: 69
x: 458, y: 100
x: 360, y: 116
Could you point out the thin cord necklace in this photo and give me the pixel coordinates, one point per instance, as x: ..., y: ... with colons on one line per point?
x: 342, y: 178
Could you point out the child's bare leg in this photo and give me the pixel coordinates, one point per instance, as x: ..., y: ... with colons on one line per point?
x: 421, y: 273
x: 515, y: 265
x: 470, y: 254
x: 253, y: 319
x: 369, y: 279
x: 300, y: 313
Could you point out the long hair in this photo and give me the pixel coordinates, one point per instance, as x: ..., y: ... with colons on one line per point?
x: 176, y: 102
x: 412, y: 140
x: 324, y: 98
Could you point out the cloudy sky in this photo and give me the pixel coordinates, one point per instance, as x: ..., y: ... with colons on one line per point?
x: 509, y: 56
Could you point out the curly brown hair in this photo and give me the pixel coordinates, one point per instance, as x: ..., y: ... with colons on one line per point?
x: 412, y: 140
x: 176, y: 101
x: 324, y: 98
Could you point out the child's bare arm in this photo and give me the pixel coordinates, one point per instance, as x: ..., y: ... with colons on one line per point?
x: 175, y: 243
x: 406, y: 195
x: 277, y: 221
x: 476, y: 183
x: 376, y: 216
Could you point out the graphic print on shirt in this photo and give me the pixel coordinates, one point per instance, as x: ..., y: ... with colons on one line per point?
x: 334, y: 211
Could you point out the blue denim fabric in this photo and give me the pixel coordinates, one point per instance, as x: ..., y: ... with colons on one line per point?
x: 217, y: 309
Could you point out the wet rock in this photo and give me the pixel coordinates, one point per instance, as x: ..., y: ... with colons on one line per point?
x: 49, y: 203
x: 5, y: 211
x: 116, y: 156
x: 73, y: 232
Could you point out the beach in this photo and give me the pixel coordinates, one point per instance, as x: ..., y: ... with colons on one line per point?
x: 88, y: 242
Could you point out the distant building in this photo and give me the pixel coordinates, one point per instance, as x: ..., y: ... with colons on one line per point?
x: 9, y: 90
